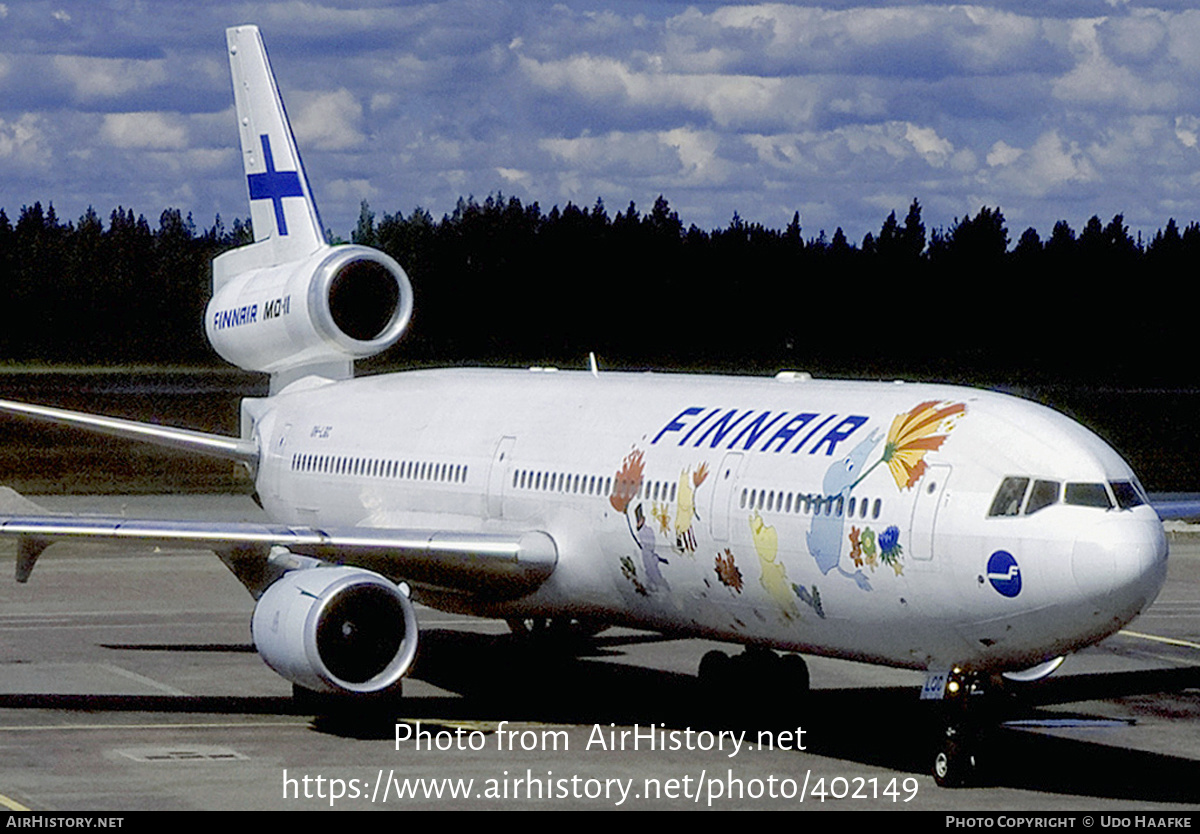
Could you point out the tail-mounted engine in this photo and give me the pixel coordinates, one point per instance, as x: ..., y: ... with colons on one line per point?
x: 340, y: 304
x: 336, y: 630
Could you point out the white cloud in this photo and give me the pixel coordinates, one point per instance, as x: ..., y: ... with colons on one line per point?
x: 697, y: 152
x: 22, y: 140
x: 935, y: 150
x: 639, y: 154
x: 729, y: 100
x: 1187, y: 129
x: 516, y: 176
x: 192, y: 160
x: 1003, y: 153
x: 1050, y: 163
x: 351, y: 190
x: 148, y: 131
x: 97, y: 78
x: 906, y: 40
x: 328, y: 121
x: 1097, y: 80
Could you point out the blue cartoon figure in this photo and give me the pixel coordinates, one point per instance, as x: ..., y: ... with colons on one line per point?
x: 827, y: 533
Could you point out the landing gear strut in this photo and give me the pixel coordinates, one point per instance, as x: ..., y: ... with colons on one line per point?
x: 956, y: 759
x: 561, y: 628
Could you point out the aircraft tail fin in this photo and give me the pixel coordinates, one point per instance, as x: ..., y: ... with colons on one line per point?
x: 287, y: 225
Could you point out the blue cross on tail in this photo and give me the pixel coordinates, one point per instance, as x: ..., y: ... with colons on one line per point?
x: 274, y: 185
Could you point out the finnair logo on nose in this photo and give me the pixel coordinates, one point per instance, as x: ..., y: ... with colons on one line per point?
x: 1003, y: 573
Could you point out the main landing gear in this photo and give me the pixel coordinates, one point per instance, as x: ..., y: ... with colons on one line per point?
x: 755, y: 669
x: 561, y: 630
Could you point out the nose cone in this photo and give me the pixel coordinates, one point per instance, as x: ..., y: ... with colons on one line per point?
x: 1120, y: 563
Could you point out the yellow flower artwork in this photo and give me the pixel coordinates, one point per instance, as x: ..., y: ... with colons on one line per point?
x: 914, y: 433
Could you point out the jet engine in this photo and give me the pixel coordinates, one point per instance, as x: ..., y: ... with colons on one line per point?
x: 340, y: 304
x: 336, y: 630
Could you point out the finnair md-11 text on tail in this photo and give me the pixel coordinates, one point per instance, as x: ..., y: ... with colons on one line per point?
x: 939, y: 528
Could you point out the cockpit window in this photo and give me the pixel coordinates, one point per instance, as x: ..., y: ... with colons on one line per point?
x: 1127, y: 494
x: 1088, y: 495
x: 1008, y: 497
x: 1043, y: 494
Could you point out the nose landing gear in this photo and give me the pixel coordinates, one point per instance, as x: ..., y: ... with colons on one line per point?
x: 962, y: 718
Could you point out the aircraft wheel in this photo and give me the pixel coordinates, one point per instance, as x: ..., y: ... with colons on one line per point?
x: 716, y: 668
x: 955, y: 764
x: 793, y: 672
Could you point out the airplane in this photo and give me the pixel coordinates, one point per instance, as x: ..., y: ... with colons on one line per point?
x: 959, y: 532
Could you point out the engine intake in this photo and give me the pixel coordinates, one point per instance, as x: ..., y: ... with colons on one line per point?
x: 342, y: 303
x: 336, y: 629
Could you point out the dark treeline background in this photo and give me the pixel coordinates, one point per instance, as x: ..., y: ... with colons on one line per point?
x: 502, y: 282
x: 1084, y: 320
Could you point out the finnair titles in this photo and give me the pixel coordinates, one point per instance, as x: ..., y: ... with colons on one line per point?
x: 713, y: 429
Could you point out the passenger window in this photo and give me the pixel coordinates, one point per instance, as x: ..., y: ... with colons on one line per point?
x: 1043, y: 494
x: 1088, y: 495
x: 1127, y: 494
x: 1008, y: 497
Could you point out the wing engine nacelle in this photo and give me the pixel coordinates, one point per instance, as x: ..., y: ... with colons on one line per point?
x: 340, y: 304
x: 336, y: 630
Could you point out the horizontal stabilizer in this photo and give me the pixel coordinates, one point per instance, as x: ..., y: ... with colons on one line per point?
x: 494, y: 564
x: 211, y: 445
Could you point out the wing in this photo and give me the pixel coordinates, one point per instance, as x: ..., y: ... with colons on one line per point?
x: 493, y: 564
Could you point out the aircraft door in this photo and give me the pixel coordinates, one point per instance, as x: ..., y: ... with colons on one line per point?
x: 278, y: 461
x: 931, y: 495
x: 498, y: 476
x: 722, y: 498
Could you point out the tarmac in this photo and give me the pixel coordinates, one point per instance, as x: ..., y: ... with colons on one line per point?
x: 128, y: 681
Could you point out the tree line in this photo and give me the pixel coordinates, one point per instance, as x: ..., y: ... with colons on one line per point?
x: 499, y: 281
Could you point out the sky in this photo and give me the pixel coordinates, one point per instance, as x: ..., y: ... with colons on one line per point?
x: 845, y: 111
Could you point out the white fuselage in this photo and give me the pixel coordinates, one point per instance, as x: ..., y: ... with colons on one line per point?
x: 848, y: 519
